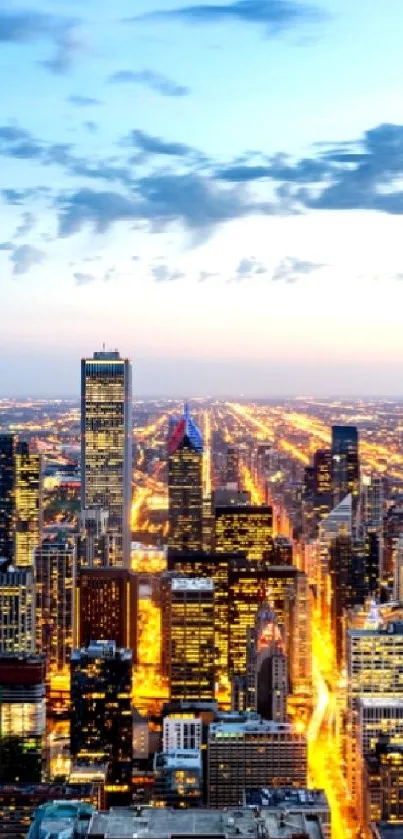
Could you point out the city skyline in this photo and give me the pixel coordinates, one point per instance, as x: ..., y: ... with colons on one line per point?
x: 213, y: 189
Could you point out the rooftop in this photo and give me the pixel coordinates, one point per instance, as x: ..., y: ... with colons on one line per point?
x: 192, y: 584
x: 101, y: 649
x: 165, y: 823
x: 253, y: 724
x: 63, y: 819
x: 286, y: 797
x: 379, y: 702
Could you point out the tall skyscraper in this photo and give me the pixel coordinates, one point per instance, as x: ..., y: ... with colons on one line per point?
x: 185, y: 485
x: 106, y: 446
x: 106, y: 602
x: 7, y: 454
x: 243, y: 529
x: 102, y: 720
x: 188, y: 620
x: 267, y: 669
x: 232, y: 465
x: 22, y: 717
x: 17, y: 610
x: 345, y: 462
x: 323, y: 498
x: 28, y: 507
x: 55, y: 569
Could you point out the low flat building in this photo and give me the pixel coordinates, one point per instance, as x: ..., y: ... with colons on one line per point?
x: 239, y: 823
x: 18, y: 802
x: 61, y: 820
x: 178, y: 778
x: 292, y: 801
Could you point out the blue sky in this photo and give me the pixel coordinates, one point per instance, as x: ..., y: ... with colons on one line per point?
x: 214, y: 188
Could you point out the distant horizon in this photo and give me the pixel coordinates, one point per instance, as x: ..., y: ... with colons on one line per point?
x: 217, y: 397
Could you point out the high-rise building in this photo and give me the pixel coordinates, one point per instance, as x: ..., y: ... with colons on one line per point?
x: 22, y: 717
x: 267, y: 669
x: 93, y: 539
x: 243, y: 529
x: 255, y: 753
x: 182, y: 731
x: 102, y: 720
x: 28, y: 506
x: 371, y: 501
x: 345, y: 463
x: 232, y: 466
x: 322, y: 489
x: 17, y: 610
x: 7, y: 455
x: 188, y: 621
x: 383, y: 784
x: 106, y: 446
x: 55, y: 570
x: 106, y: 606
x: 282, y: 551
x: 185, y: 485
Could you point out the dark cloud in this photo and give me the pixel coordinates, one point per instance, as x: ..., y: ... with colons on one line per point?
x: 83, y: 101
x: 155, y: 145
x: 164, y: 274
x: 155, y: 81
x: 25, y: 257
x: 21, y: 196
x: 25, y: 26
x: 291, y: 269
x: 83, y: 279
x: 274, y: 16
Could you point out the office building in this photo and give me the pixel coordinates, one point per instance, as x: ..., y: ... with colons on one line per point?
x: 7, y: 457
x: 28, y: 503
x: 106, y: 606
x: 292, y: 802
x: 178, y: 778
x: 339, y: 522
x: 242, y: 529
x: 181, y: 731
x: 345, y: 463
x: 267, y: 668
x: 188, y: 621
x: 377, y: 718
x: 106, y: 446
x: 282, y: 551
x: 17, y: 610
x: 61, y: 819
x: 22, y: 717
x: 383, y: 783
x: 93, y: 539
x: 322, y: 483
x: 255, y: 753
x: 232, y: 466
x: 101, y: 719
x: 55, y: 563
x: 185, y: 485
x: 241, y: 822
x: 229, y: 497
x: 19, y: 803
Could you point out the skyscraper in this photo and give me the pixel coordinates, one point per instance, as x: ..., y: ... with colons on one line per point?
x: 243, y: 529
x: 322, y: 465
x: 345, y: 462
x: 188, y: 619
x: 28, y: 507
x: 7, y: 453
x: 185, y: 485
x: 55, y: 568
x: 17, y: 610
x: 267, y: 670
x: 106, y: 446
x: 102, y: 720
x: 22, y: 717
x: 106, y: 601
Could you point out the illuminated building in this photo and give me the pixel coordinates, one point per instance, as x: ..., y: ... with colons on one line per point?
x: 55, y: 572
x: 93, y: 541
x: 181, y: 732
x: 17, y: 610
x: 178, y: 778
x: 61, y: 819
x: 213, y: 566
x: 286, y: 589
x: 371, y: 501
x: 18, y: 803
x: 383, y: 783
x: 322, y: 482
x: 188, y: 620
x: 255, y: 753
x: 101, y: 720
x: 232, y: 465
x: 141, y: 733
x: 337, y: 523
x: 377, y: 718
x: 392, y: 531
x: 106, y: 606
x: 7, y: 454
x: 229, y: 497
x: 154, y: 822
x: 374, y: 669
x: 185, y: 485
x: 242, y: 529
x: 345, y: 463
x: 267, y: 670
x: 22, y: 717
x: 28, y: 504
x: 282, y: 551
x: 398, y: 570
x: 106, y: 446
x: 292, y: 802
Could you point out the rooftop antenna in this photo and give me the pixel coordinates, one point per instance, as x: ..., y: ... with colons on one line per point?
x: 103, y: 346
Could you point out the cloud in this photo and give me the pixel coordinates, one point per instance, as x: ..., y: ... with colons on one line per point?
x: 25, y: 257
x: 155, y: 81
x: 291, y: 269
x: 83, y: 101
x: 164, y: 274
x: 22, y: 26
x: 83, y: 279
x: 249, y: 267
x: 26, y: 225
x: 274, y: 16
x: 155, y: 145
x: 206, y: 275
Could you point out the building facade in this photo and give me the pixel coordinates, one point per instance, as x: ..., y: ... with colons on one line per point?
x: 17, y: 610
x: 55, y: 571
x: 185, y: 485
x: 188, y: 620
x: 28, y: 503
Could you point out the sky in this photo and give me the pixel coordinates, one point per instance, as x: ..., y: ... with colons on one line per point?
x: 213, y: 188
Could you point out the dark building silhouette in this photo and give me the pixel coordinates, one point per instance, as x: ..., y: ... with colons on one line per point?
x: 7, y: 453
x: 345, y: 462
x: 185, y: 485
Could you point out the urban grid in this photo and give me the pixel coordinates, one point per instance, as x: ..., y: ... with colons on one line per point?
x: 201, y: 616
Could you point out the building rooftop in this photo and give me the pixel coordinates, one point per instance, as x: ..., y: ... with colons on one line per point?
x: 61, y: 820
x: 102, y: 649
x: 379, y: 702
x: 192, y: 584
x: 178, y: 759
x: 286, y: 797
x: 253, y: 724
x: 237, y: 822
x: 393, y: 627
x: 387, y: 831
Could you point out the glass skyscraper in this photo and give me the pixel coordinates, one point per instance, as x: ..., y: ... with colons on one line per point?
x: 28, y: 506
x: 345, y: 462
x: 106, y: 446
x: 185, y: 486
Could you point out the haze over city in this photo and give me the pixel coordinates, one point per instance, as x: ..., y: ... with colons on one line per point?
x: 214, y: 189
